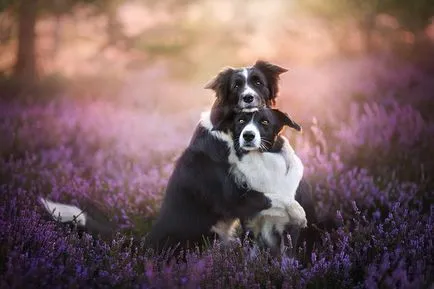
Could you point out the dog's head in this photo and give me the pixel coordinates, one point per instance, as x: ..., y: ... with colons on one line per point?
x: 247, y: 88
x: 256, y: 130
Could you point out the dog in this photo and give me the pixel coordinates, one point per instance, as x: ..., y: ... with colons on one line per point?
x: 200, y: 195
x: 260, y: 159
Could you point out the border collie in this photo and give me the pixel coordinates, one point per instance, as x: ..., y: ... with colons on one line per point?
x: 201, y: 194
x: 262, y: 160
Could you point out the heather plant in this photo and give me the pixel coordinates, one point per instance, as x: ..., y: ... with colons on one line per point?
x: 370, y: 168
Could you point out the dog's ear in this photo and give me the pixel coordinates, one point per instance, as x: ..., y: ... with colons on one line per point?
x: 220, y: 83
x: 272, y: 73
x: 267, y: 67
x: 284, y: 119
x: 224, y: 119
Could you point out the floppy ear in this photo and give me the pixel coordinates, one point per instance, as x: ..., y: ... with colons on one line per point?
x: 270, y: 68
x: 224, y: 120
x: 271, y: 72
x: 284, y: 119
x: 220, y: 83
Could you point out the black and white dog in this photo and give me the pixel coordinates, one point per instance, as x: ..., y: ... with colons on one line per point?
x: 201, y: 194
x: 262, y: 160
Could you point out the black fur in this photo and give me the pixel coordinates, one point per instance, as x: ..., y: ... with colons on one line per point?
x: 228, y: 86
x: 229, y: 99
x: 200, y: 193
x: 269, y: 122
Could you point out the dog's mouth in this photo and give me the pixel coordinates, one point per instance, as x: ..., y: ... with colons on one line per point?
x: 249, y: 146
x: 256, y: 103
x: 244, y: 106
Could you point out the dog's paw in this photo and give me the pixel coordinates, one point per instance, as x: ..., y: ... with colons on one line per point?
x: 297, y: 215
x: 299, y: 222
x: 302, y: 222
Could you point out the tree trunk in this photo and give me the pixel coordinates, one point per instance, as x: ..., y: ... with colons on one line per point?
x: 25, y: 66
x: 114, y: 30
x: 57, y: 39
x: 56, y: 36
x: 367, y: 27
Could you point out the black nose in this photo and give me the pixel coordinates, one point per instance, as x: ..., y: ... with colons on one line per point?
x: 248, y: 136
x: 248, y: 98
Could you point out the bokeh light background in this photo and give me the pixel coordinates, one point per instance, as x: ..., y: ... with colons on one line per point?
x: 119, y: 91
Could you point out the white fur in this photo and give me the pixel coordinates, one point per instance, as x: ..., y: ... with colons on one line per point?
x: 252, y: 109
x: 247, y: 89
x: 64, y: 213
x: 265, y: 172
x: 225, y: 230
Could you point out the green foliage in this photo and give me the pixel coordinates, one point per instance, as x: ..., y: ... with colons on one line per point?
x: 340, y: 9
x: 4, y: 4
x: 413, y: 15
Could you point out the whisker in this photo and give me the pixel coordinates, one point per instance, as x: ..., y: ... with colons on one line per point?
x: 266, y: 141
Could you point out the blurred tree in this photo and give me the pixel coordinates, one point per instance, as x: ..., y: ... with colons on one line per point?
x: 26, y: 13
x: 114, y: 28
x: 339, y: 11
x: 59, y: 8
x: 25, y: 65
x: 6, y: 25
x: 413, y: 15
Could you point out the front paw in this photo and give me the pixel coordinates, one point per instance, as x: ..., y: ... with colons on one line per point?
x: 297, y: 215
x: 301, y: 222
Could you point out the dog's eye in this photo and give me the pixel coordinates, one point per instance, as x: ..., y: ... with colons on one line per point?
x: 241, y: 120
x: 237, y: 84
x: 265, y: 122
x: 256, y: 81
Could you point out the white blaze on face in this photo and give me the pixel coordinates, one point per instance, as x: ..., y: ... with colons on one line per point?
x: 250, y: 128
x: 247, y: 89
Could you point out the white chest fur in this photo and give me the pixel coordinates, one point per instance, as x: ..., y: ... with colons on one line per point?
x: 267, y: 172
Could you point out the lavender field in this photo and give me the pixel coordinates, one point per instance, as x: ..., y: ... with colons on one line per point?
x: 368, y: 153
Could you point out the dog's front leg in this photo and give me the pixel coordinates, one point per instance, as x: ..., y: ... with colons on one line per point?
x: 297, y: 215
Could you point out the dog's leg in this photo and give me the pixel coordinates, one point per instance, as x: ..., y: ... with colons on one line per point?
x: 246, y: 232
x: 225, y: 230
x: 297, y: 215
x: 271, y: 238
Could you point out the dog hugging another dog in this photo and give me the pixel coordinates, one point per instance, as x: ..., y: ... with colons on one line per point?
x: 237, y: 168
